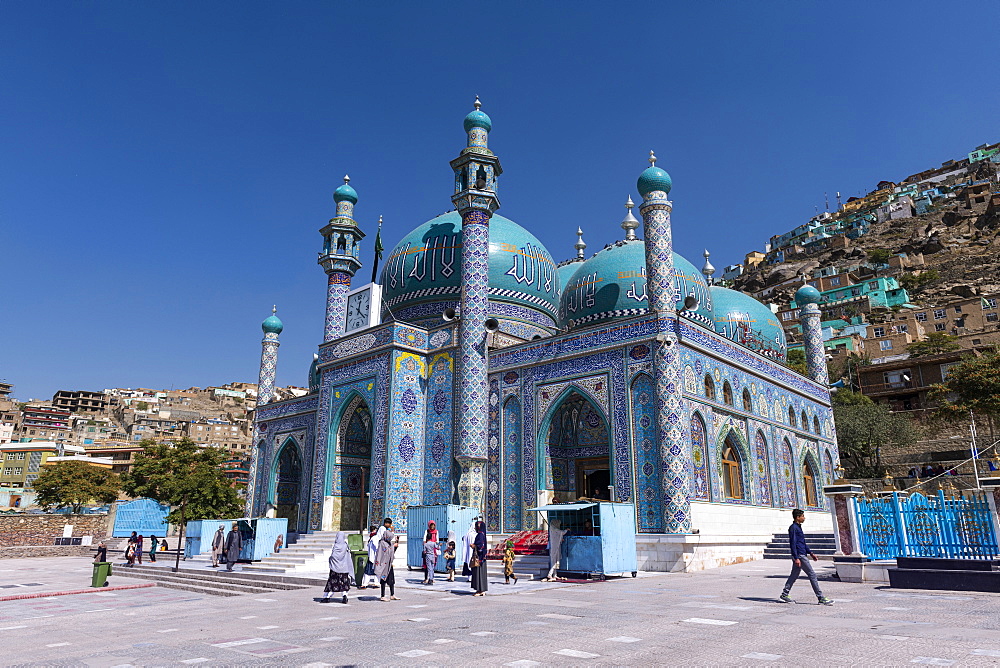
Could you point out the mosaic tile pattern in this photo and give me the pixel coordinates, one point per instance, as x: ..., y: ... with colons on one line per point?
x: 406, y: 451
x: 699, y: 458
x: 812, y: 333
x: 337, y: 286
x: 268, y: 368
x: 762, y: 472
x: 787, y: 475
x: 438, y: 425
x: 646, y: 454
x: 493, y: 464
x: 511, y: 466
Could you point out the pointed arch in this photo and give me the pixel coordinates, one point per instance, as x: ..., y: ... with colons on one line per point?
x: 727, y: 393
x: 286, y: 481
x: 828, y: 461
x: 787, y: 474
x: 709, y: 387
x: 734, y: 465
x: 763, y: 470
x: 805, y: 421
x: 699, y: 457
x: 747, y: 401
x: 811, y: 480
x: 816, y: 425
x: 575, y: 418
x: 792, y: 421
x: 349, y: 466
x: 511, y: 470
x: 646, y: 453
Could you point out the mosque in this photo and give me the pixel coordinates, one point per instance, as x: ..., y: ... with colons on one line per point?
x: 479, y: 371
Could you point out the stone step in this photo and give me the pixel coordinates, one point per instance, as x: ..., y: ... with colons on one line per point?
x: 179, y: 581
x: 238, y: 577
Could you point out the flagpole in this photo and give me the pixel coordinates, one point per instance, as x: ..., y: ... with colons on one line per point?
x: 378, y: 251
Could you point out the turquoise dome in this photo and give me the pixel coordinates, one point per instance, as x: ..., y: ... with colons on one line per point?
x: 345, y: 192
x: 478, y: 119
x: 743, y: 319
x: 807, y: 294
x: 422, y: 274
x: 565, y: 272
x: 652, y: 179
x: 612, y: 284
x: 272, y: 325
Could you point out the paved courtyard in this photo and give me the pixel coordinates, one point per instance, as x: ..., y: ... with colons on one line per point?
x: 725, y: 616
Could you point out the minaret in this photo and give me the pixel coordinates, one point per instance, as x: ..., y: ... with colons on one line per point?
x: 707, y: 269
x: 580, y: 244
x: 629, y: 223
x: 339, y: 258
x: 476, y: 170
x: 268, y: 357
x: 807, y: 298
x: 672, y: 422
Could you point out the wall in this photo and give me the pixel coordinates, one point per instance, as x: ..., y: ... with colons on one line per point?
x: 42, y: 530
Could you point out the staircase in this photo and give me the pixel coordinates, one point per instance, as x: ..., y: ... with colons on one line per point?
x: 215, y: 583
x: 526, y: 567
x: 823, y: 545
x: 309, y: 553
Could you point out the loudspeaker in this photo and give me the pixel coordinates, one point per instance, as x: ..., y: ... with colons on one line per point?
x: 690, y: 303
x: 449, y: 315
x: 492, y: 324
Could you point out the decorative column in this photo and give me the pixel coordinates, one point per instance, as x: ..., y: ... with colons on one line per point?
x: 339, y: 258
x: 807, y: 299
x: 849, y: 560
x: 476, y: 170
x: 272, y: 327
x: 654, y: 185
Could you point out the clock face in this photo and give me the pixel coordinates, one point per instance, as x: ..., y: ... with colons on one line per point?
x: 358, y: 310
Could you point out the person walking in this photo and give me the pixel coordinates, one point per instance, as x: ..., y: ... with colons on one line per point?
x: 467, y: 541
x: 508, y: 561
x: 138, y: 549
x: 218, y: 544
x: 339, y: 579
x: 801, y: 554
x: 234, y: 545
x: 430, y: 552
x: 556, y: 534
x: 153, y: 542
x: 130, y: 550
x: 387, y: 544
x: 369, y: 579
x: 478, y: 561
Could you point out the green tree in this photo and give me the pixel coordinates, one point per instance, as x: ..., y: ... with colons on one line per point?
x: 972, y: 386
x: 142, y: 406
x: 74, y: 485
x: 847, y: 397
x: 796, y: 361
x: 936, y: 342
x: 864, y: 428
x: 878, y: 257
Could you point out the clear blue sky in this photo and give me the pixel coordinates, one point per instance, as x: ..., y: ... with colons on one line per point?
x: 165, y: 167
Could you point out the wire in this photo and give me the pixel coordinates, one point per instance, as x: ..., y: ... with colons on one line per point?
x: 992, y: 446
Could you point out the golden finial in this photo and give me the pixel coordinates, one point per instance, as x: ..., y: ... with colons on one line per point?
x: 274, y: 309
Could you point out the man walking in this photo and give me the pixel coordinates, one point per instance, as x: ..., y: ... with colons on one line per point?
x: 234, y: 544
x: 801, y: 554
x: 218, y: 542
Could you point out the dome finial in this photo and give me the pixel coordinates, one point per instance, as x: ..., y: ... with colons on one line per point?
x: 652, y: 158
x: 347, y: 178
x: 629, y: 223
x: 580, y: 244
x: 477, y: 103
x: 707, y: 270
x: 274, y: 309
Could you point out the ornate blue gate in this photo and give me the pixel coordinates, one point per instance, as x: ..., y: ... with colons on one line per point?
x: 926, y: 526
x: 144, y: 516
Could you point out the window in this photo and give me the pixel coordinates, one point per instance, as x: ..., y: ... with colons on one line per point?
x: 921, y: 316
x: 16, y: 455
x: 976, y: 342
x: 727, y: 393
x: 816, y: 425
x: 940, y: 314
x: 885, y: 345
x: 989, y: 303
x: 902, y: 329
x: 732, y: 478
x: 13, y: 470
x: 958, y: 309
x: 873, y: 285
x: 791, y: 417
x: 805, y: 421
x: 809, y: 485
x: 992, y: 317
x: 939, y: 327
x: 787, y: 315
x: 709, y: 387
x: 878, y: 331
x: 747, y: 401
x: 835, y: 281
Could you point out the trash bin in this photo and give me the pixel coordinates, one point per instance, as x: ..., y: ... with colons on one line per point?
x: 102, y: 569
x: 356, y: 543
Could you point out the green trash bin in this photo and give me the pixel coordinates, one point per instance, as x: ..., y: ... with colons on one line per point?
x: 356, y: 542
x: 102, y: 570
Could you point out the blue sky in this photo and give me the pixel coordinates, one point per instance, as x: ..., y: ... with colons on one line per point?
x: 165, y: 167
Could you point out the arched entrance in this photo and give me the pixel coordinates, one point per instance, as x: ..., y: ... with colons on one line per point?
x: 577, y: 451
x: 352, y: 469
x: 288, y: 476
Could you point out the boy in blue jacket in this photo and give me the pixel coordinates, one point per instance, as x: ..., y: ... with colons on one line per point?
x: 801, y: 554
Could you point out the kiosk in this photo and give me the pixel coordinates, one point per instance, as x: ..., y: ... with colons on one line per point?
x: 599, y: 539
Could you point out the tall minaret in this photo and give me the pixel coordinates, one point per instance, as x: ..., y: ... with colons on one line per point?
x: 268, y: 357
x: 339, y: 259
x: 476, y: 171
x: 654, y: 185
x: 807, y: 299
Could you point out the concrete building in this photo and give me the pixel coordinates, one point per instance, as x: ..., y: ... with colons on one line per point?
x: 121, y: 454
x: 21, y: 464
x: 40, y: 422
x: 80, y: 401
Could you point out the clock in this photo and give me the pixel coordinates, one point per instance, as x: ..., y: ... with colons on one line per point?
x: 364, y: 306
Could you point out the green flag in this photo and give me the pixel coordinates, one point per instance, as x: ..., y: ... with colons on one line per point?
x: 378, y: 250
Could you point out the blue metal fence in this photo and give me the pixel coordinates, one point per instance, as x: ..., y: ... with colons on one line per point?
x: 926, y: 526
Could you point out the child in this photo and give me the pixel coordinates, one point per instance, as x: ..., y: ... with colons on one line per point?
x: 449, y: 560
x: 508, y: 561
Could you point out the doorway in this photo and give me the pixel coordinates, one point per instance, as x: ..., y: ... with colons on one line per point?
x: 288, y: 477
x: 579, y: 452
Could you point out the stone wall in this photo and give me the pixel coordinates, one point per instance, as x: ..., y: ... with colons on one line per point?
x: 43, y: 529
x: 48, y: 551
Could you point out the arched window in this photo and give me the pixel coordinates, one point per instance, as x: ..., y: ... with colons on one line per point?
x: 791, y: 417
x: 709, y: 387
x: 732, y: 478
x: 747, y: 401
x: 727, y: 393
x: 809, y: 485
x: 805, y: 421
x: 816, y: 425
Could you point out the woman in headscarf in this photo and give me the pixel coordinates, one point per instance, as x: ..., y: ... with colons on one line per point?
x: 383, y: 560
x: 430, y: 552
x: 130, y: 550
x: 372, y: 547
x: 339, y: 579
x: 467, y: 540
x: 508, y: 561
x: 478, y: 561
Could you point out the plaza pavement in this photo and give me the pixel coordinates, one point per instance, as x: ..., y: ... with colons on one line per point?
x: 725, y: 616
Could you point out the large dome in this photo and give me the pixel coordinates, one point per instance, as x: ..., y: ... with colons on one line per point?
x: 422, y: 276
x: 746, y: 321
x: 612, y: 284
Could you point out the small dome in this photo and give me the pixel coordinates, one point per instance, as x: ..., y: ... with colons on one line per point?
x: 743, y: 319
x: 653, y: 178
x: 272, y: 325
x: 807, y: 294
x: 478, y: 119
x: 345, y: 192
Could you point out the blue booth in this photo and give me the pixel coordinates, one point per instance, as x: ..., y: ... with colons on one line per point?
x: 599, y: 539
x: 447, y: 517
x: 259, y: 535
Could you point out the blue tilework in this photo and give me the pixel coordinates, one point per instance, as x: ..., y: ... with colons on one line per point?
x: 646, y: 454
x: 511, y: 469
x: 438, y: 426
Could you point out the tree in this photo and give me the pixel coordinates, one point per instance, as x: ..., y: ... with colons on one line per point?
x: 188, y: 477
x: 936, y: 342
x: 972, y: 386
x: 878, y: 257
x: 847, y: 397
x: 796, y: 361
x: 142, y: 406
x: 75, y: 484
x: 863, y: 429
